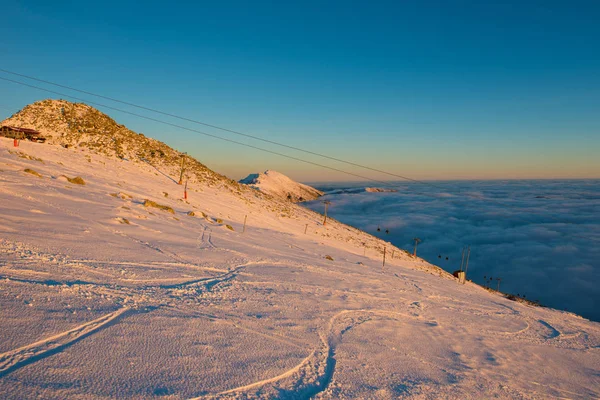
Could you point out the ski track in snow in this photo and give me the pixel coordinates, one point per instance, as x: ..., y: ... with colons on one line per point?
x: 205, y: 239
x: 314, y: 374
x: 208, y: 282
x: 29, y: 254
x: 20, y: 357
x: 554, y: 333
x: 15, y: 359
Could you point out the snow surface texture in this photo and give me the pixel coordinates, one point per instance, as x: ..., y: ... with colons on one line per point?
x: 281, y: 187
x: 103, y: 297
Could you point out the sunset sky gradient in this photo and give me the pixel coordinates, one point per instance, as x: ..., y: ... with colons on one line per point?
x: 427, y: 89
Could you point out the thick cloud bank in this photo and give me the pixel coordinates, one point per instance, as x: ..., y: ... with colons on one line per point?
x: 542, y: 238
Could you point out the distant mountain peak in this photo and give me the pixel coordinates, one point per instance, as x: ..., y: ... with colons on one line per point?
x: 280, y: 186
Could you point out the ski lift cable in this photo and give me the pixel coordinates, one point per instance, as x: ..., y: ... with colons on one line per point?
x: 386, y: 183
x: 239, y: 133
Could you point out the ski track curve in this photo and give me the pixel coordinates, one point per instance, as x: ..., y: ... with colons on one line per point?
x: 208, y: 282
x: 33, y: 256
x: 25, y: 355
x: 17, y: 358
x: 320, y: 362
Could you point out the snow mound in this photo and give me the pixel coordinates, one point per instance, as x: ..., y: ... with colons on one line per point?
x: 280, y: 186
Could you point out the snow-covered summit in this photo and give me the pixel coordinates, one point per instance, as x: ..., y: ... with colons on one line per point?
x: 281, y: 186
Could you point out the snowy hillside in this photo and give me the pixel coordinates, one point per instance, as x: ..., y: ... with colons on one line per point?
x: 280, y: 186
x: 115, y: 286
x: 77, y: 125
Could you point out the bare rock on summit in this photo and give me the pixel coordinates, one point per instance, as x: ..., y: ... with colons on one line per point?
x: 280, y: 186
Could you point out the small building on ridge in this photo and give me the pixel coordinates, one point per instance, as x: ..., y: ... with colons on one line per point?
x: 14, y: 132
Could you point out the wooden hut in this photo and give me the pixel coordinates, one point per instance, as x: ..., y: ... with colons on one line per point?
x: 14, y: 132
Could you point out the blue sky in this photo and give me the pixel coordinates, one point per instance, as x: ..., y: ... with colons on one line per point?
x: 432, y: 90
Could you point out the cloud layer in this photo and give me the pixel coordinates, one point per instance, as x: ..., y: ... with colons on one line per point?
x: 542, y: 238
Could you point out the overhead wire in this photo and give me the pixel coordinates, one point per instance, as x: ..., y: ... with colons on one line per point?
x: 197, y: 131
x: 239, y: 133
x: 386, y: 183
x: 222, y: 129
x: 234, y: 132
x: 2, y: 106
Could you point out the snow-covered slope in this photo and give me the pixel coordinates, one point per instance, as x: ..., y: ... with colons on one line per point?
x: 280, y: 186
x: 120, y: 288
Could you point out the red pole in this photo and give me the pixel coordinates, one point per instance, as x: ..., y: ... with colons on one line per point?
x: 185, y: 191
x: 16, y: 142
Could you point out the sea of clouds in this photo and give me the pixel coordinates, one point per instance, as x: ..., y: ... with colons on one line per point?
x: 541, y: 237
